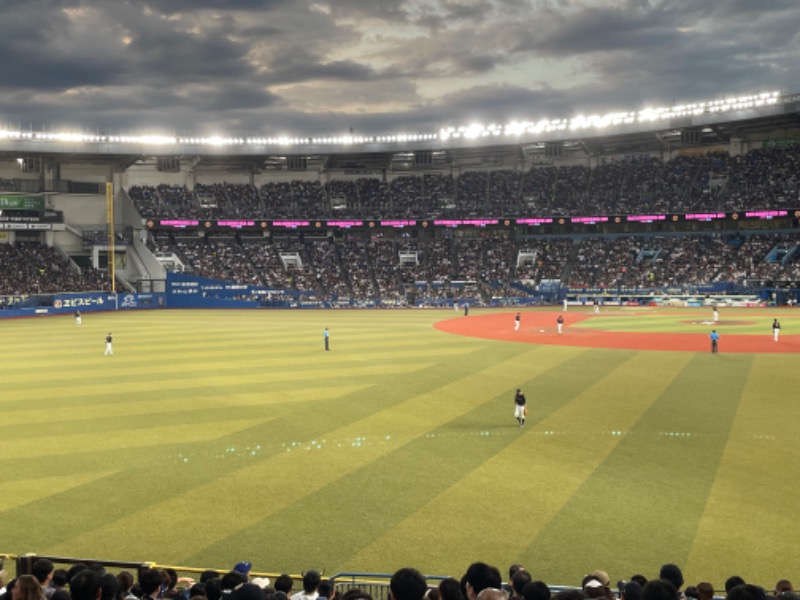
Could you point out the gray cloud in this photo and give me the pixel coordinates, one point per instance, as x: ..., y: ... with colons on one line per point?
x: 318, y: 66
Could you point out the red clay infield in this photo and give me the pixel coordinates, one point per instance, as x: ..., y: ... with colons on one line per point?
x: 500, y: 326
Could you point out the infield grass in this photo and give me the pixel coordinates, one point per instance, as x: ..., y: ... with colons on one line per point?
x: 212, y: 437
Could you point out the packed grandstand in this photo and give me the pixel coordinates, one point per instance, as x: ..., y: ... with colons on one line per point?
x: 509, y: 224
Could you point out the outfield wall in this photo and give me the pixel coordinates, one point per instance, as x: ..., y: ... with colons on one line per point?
x: 189, y: 291
x: 86, y: 302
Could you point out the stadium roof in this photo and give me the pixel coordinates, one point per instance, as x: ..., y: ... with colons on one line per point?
x: 491, y: 147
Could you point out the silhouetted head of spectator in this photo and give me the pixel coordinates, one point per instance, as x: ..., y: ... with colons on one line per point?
x: 673, y: 574
x: 213, y: 588
x: 150, y: 582
x: 640, y: 579
x: 85, y: 585
x: 783, y: 586
x: 449, y: 589
x: 208, y: 574
x: 407, y: 584
x: 747, y: 591
x: 571, y: 594
x: 27, y: 587
x: 602, y: 577
x: 536, y: 590
x: 326, y: 589
x: 518, y: 582
x: 659, y: 589
x: 284, y: 583
x: 74, y: 570
x: 43, y: 569
x: 59, y: 578
x: 593, y: 587
x: 172, y: 574
x: 198, y: 589
x: 311, y: 581
x: 248, y: 591
x: 630, y: 591
x: 492, y: 594
x: 356, y: 594
x: 125, y: 582
x: 109, y: 587
x: 705, y: 590
x: 480, y: 576
x: 230, y: 581
x: 732, y: 581
x: 691, y: 592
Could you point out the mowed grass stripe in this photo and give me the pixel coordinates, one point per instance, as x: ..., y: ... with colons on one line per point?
x: 436, y: 438
x: 18, y: 492
x: 332, y: 405
x: 528, y: 477
x: 134, y: 383
x: 106, y: 405
x: 196, y: 465
x: 291, y: 477
x: 655, y: 479
x: 750, y: 508
x: 118, y: 437
x: 148, y: 357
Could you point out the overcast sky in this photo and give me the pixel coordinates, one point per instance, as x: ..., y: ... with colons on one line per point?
x: 268, y: 67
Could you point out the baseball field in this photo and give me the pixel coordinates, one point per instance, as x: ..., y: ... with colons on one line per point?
x: 211, y: 437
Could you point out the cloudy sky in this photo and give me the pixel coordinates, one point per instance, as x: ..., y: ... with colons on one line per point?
x: 246, y: 67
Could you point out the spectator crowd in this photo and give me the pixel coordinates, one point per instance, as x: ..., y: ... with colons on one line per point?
x: 438, y: 265
x: 762, y: 179
x: 480, y: 581
x: 434, y: 269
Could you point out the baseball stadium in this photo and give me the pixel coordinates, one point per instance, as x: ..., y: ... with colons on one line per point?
x: 302, y: 353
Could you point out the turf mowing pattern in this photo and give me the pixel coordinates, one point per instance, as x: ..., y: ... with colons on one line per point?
x: 212, y: 437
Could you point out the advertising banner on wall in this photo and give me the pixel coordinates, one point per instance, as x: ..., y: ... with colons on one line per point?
x: 56, y: 304
x: 17, y: 202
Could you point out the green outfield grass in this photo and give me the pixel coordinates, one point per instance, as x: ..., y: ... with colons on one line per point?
x: 212, y: 437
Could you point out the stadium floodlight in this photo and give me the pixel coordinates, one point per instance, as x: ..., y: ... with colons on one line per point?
x: 472, y: 131
x: 157, y: 140
x: 515, y: 128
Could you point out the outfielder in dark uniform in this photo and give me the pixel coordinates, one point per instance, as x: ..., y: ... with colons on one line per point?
x: 520, y: 407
